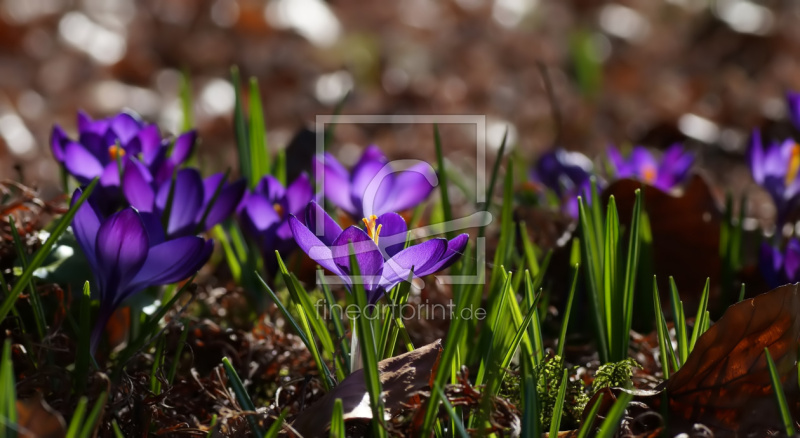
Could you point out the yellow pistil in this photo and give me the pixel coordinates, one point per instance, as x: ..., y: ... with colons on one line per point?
x: 373, y: 229
x: 649, y: 174
x: 794, y: 164
x: 278, y: 209
x: 115, y: 152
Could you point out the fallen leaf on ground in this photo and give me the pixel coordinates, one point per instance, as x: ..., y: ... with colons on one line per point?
x: 400, y: 377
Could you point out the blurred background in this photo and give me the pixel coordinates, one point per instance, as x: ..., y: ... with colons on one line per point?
x: 579, y: 74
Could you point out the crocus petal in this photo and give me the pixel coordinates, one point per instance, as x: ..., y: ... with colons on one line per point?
x: 81, y: 163
x: 793, y: 101
x: 121, y: 247
x: 259, y: 212
x: 392, y: 238
x: 58, y: 139
x: 617, y: 161
x: 298, y: 194
x: 110, y: 175
x: 85, y: 225
x: 792, y: 260
x: 455, y: 248
x: 372, y: 181
x: 336, y: 182
x: 183, y: 147
x: 420, y: 257
x: 149, y: 143
x: 86, y: 124
x: 367, y: 254
x: 186, y: 202
x: 755, y: 155
x: 136, y: 187
x: 163, y: 267
x: 152, y: 224
x: 770, y: 262
x: 311, y: 245
x: 675, y: 165
x: 412, y: 186
x: 125, y: 127
x: 271, y: 188
x: 321, y: 225
x: 225, y: 204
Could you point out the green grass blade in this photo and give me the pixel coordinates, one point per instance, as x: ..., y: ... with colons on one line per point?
x: 614, y: 417
x: 487, y: 204
x: 36, y: 300
x: 241, y: 396
x: 741, y: 294
x: 612, y: 302
x: 337, y: 420
x: 277, y: 426
x: 590, y: 252
x: 117, y: 430
x: 234, y: 264
x: 240, y: 126
x: 699, y: 325
x: 531, y: 425
x: 587, y: 424
x: 8, y: 398
x: 336, y: 317
x: 44, y: 251
x: 176, y: 359
x: 259, y: 151
x: 535, y: 326
x: 93, y: 419
x: 662, y: 335
x: 562, y: 338
x: 555, y: 422
x: 443, y: 180
x: 304, y: 331
x: 780, y: 397
x: 630, y: 277
x: 77, y: 418
x: 680, y: 322
x: 369, y: 354
x: 459, y: 426
x: 83, y: 355
x: 186, y: 101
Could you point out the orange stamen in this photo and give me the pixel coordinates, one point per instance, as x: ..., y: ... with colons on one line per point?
x: 649, y: 174
x: 278, y: 209
x: 794, y: 164
x: 373, y: 229
x: 115, y: 152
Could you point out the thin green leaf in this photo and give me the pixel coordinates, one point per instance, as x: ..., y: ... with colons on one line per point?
x: 562, y: 338
x: 699, y: 325
x: 259, y: 152
x: 780, y: 397
x: 277, y: 426
x: 662, y: 336
x: 369, y: 355
x: 555, y: 422
x: 609, y: 426
x: 459, y: 426
x: 337, y: 420
x: 77, y: 418
x: 93, y: 419
x: 630, y: 277
x: 589, y: 420
x: 40, y: 255
x: 240, y: 126
x: 242, y: 396
x: 186, y: 101
x: 83, y: 355
x: 443, y: 181
x: 36, y: 300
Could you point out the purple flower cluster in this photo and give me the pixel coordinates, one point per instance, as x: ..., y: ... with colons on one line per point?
x: 568, y: 174
x: 141, y: 229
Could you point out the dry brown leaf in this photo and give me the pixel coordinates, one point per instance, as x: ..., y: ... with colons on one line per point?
x: 400, y: 377
x: 725, y: 382
x: 37, y: 420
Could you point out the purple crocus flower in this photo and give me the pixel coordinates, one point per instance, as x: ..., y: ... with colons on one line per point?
x: 776, y: 170
x: 793, y: 102
x: 374, y: 187
x: 102, y: 142
x: 779, y: 267
x: 382, y: 261
x: 642, y: 165
x: 128, y: 253
x: 192, y: 209
x: 264, y: 213
x: 567, y: 174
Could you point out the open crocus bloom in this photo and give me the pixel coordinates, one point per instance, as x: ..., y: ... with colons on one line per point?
x: 128, y: 253
x: 567, y: 174
x: 374, y: 187
x: 776, y: 170
x: 778, y: 267
x: 642, y: 165
x: 382, y: 261
x: 264, y: 213
x: 102, y: 142
x: 194, y: 205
